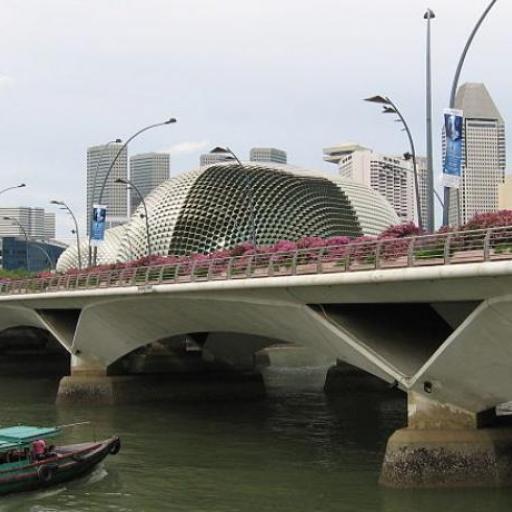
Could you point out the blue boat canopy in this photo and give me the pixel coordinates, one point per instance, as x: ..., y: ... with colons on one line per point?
x: 13, y: 437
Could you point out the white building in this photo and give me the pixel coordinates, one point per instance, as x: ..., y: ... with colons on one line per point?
x: 277, y: 156
x: 115, y: 196
x: 37, y: 223
x: 389, y: 175
x: 147, y: 171
x: 483, y: 154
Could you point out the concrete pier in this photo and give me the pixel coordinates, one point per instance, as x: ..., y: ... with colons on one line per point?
x: 444, y: 446
x: 90, y: 384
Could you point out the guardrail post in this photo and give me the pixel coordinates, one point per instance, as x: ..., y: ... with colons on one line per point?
x: 410, y: 252
x: 447, y: 244
x: 347, y: 258
x: 294, y: 263
x: 377, y: 254
x: 487, y: 244
x: 319, y: 265
x: 176, y: 271
x: 228, y: 269
x: 210, y: 268
x: 270, y: 267
x: 192, y: 270
x: 249, y: 266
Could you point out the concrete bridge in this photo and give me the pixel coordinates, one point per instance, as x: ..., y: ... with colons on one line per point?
x: 431, y: 315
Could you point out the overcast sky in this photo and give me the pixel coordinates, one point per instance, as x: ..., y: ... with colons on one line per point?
x: 243, y: 73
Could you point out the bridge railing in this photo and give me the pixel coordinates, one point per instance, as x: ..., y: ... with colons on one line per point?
x: 426, y: 250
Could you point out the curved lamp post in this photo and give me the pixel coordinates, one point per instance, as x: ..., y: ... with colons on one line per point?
x: 21, y: 185
x: 46, y: 254
x: 136, y: 134
x: 250, y: 195
x: 64, y: 206
x: 141, y: 197
x: 391, y: 108
x: 20, y: 225
x: 453, y: 93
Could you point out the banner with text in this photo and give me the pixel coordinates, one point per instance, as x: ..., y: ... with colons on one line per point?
x: 99, y: 217
x: 452, y: 167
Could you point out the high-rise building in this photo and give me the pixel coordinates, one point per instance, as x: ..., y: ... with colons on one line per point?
x: 115, y: 196
x: 49, y: 225
x: 147, y: 171
x: 217, y: 155
x: 35, y: 222
x: 391, y: 176
x: 275, y: 155
x: 483, y: 154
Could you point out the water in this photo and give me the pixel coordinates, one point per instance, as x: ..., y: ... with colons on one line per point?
x: 298, y: 450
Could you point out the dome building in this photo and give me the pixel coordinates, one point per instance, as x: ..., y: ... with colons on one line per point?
x: 210, y: 209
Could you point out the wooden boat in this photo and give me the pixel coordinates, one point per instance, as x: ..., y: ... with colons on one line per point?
x: 21, y: 471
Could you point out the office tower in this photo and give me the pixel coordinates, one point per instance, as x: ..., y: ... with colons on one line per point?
x: 217, y: 155
x: 35, y: 222
x: 391, y: 176
x: 49, y: 225
x: 277, y: 156
x: 115, y: 195
x: 147, y: 171
x: 483, y: 154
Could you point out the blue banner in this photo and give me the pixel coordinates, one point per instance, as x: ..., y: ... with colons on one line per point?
x: 99, y: 217
x: 452, y: 168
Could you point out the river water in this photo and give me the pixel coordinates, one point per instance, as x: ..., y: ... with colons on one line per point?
x: 297, y: 450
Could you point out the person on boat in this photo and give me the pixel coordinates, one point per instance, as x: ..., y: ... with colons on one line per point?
x: 39, y: 449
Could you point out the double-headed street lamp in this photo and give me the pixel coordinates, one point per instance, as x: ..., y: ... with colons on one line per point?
x: 64, y: 206
x: 25, y: 234
x: 249, y: 189
x: 141, y: 197
x: 391, y: 108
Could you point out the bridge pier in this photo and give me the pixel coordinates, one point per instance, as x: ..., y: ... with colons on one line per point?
x: 444, y: 446
x: 91, y: 384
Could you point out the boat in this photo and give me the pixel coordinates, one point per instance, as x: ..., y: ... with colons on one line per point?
x: 21, y: 470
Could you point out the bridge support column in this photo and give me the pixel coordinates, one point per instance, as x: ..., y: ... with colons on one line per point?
x: 87, y: 384
x: 91, y: 384
x: 444, y: 446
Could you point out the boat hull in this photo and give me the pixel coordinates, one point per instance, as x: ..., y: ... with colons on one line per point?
x: 69, y: 463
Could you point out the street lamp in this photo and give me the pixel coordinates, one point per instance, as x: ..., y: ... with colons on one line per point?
x: 21, y: 185
x: 68, y: 209
x: 20, y: 225
x: 171, y: 120
x: 453, y: 93
x: 430, y: 220
x: 250, y: 193
x: 136, y: 134
x: 391, y: 108
x: 141, y: 197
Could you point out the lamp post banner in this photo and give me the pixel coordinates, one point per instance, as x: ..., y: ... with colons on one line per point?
x: 99, y: 216
x: 452, y: 167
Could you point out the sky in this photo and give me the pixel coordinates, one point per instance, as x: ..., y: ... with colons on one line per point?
x: 284, y: 73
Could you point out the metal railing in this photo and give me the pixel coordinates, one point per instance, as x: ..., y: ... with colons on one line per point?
x: 438, y: 249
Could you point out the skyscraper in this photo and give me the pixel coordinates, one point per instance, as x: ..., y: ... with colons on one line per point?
x: 391, y: 176
x: 38, y: 224
x: 275, y: 155
x: 483, y: 154
x: 115, y: 196
x: 147, y: 171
